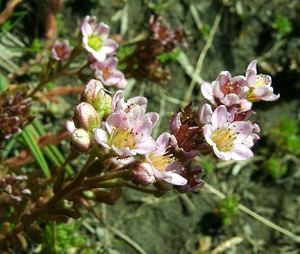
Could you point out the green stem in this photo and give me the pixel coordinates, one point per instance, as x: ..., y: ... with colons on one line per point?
x: 254, y: 214
x: 53, y: 236
x: 96, y: 179
x: 60, y: 71
x: 202, y: 56
x: 140, y: 188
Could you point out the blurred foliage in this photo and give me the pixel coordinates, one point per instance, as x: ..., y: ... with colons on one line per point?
x: 61, y: 238
x: 228, y: 209
x: 275, y: 167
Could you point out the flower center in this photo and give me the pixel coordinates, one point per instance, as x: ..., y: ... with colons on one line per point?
x: 262, y: 80
x: 161, y: 162
x: 95, y: 42
x: 230, y: 87
x: 60, y: 51
x: 123, y: 138
x: 223, y: 138
x: 105, y: 73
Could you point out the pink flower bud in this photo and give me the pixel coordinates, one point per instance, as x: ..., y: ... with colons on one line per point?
x: 86, y: 117
x: 143, y: 174
x: 95, y: 95
x: 81, y: 139
x: 61, y: 50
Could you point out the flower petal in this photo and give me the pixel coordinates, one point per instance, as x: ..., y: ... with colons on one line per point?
x: 70, y: 126
x: 163, y: 142
x: 205, y: 114
x: 207, y: 92
x: 242, y: 128
x: 118, y: 120
x: 241, y: 152
x: 146, y: 146
x: 222, y: 155
x: 109, y: 46
x: 230, y: 100
x: 123, y: 151
x: 115, y: 100
x: 224, y: 77
x: 170, y: 177
x: 251, y: 73
x: 220, y: 117
x: 153, y: 116
x: 101, y: 137
x: 103, y: 30
x: 207, y: 132
x: 175, y: 123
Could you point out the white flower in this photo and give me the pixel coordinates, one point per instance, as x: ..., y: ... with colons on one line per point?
x: 229, y: 139
x: 163, y: 164
x: 95, y: 38
x: 259, y: 85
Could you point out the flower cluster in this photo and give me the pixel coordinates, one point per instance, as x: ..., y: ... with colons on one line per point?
x: 224, y: 126
x: 144, y: 61
x: 101, y: 50
x: 121, y: 130
x: 239, y: 91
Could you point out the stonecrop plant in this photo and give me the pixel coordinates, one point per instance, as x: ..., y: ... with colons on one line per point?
x: 115, y: 133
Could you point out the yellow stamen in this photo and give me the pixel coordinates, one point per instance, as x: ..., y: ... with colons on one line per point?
x: 123, y: 138
x: 161, y: 162
x: 261, y: 80
x: 223, y: 138
x: 95, y: 42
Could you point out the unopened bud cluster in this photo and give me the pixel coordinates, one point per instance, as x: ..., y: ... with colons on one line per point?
x: 95, y: 105
x: 14, y: 187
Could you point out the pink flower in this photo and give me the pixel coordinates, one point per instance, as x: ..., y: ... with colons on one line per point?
x: 133, y: 108
x: 61, y: 50
x: 107, y: 73
x: 230, y: 139
x: 225, y: 89
x: 95, y: 38
x: 259, y: 85
x: 127, y: 136
x: 163, y: 163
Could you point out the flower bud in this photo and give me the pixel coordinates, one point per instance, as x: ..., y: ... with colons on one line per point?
x: 81, y: 139
x: 86, y: 117
x: 61, y: 50
x: 92, y: 93
x: 143, y: 174
x: 95, y: 95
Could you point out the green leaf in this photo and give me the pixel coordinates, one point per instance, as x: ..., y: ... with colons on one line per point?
x: 28, y: 137
x: 46, y: 150
x: 3, y: 83
x: 54, y: 151
x: 169, y: 56
x: 8, y: 147
x: 283, y: 25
